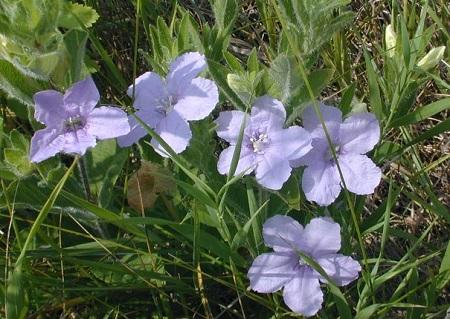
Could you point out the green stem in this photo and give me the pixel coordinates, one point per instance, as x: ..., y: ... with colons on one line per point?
x: 11, y: 214
x: 252, y: 207
x: 84, y: 178
x: 365, y: 272
x: 43, y: 213
x: 135, y: 48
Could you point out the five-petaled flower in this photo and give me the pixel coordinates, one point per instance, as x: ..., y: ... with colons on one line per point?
x: 167, y: 105
x: 351, y: 138
x: 320, y: 240
x: 73, y: 123
x: 267, y: 147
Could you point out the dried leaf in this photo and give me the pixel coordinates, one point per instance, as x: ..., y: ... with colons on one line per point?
x: 147, y: 183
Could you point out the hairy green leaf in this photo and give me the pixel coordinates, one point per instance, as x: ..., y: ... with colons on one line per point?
x: 75, y: 13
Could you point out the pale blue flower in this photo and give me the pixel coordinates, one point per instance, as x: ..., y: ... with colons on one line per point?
x: 267, y: 147
x: 285, y: 268
x: 73, y: 123
x: 351, y: 139
x: 167, y: 105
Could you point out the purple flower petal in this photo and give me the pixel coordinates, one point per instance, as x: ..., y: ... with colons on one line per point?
x: 282, y: 233
x: 198, y: 99
x: 356, y: 135
x: 329, y: 114
x: 361, y: 175
x: 72, y: 122
x: 49, y: 108
x: 82, y: 97
x: 302, y: 293
x: 273, y: 170
x: 150, y: 116
x: 77, y: 142
x: 333, y: 131
x: 46, y: 143
x: 320, y: 148
x: 229, y: 125
x: 268, y: 112
x: 264, y: 135
x: 317, y: 154
x: 341, y: 269
x: 320, y: 239
x: 175, y: 131
x: 107, y: 122
x: 321, y: 236
x: 149, y: 91
x: 293, y: 142
x: 270, y: 272
x: 321, y: 183
x: 359, y: 133
x: 183, y: 70
x: 246, y: 161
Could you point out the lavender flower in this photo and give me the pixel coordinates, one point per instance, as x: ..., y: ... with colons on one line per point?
x: 73, y: 123
x: 267, y: 147
x: 320, y: 240
x: 167, y: 105
x: 352, y: 138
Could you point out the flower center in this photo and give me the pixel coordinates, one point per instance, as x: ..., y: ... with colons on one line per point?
x: 167, y: 105
x: 73, y: 123
x: 259, y: 142
x: 302, y: 262
x: 337, y: 150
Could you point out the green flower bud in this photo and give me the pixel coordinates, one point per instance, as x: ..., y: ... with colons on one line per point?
x: 432, y: 58
x: 390, y: 37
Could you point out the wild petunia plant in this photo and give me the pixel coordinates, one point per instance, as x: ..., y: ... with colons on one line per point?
x: 285, y: 268
x: 351, y: 139
x: 267, y: 147
x: 167, y: 105
x: 101, y: 238
x: 73, y: 123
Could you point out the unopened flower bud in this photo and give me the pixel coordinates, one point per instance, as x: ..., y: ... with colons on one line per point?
x: 390, y: 38
x: 432, y: 58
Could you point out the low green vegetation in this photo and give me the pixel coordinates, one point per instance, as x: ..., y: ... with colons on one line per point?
x: 123, y: 232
